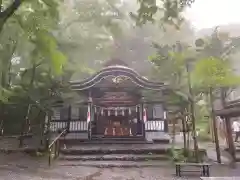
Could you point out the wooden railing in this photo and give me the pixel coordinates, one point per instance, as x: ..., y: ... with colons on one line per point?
x: 155, y: 125
x: 73, y: 125
x: 54, y: 147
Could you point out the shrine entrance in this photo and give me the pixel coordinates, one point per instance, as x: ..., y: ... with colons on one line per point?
x: 117, y: 126
x: 116, y: 114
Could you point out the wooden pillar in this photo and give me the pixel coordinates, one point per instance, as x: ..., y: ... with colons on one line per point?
x: 214, y: 127
x: 49, y: 119
x: 69, y: 117
x: 2, y: 117
x: 42, y: 126
x: 91, y: 118
x: 231, y: 146
x: 139, y: 122
x: 165, y: 121
x: 142, y: 120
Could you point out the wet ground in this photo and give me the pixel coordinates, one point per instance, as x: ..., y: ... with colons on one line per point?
x: 23, y: 167
x: 18, y: 166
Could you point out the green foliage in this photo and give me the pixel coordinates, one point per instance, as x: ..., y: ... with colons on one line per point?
x: 219, y: 45
x: 171, y: 10
x: 47, y: 44
x: 30, y: 60
x: 37, y: 26
x: 213, y: 68
x: 87, y: 31
x: 213, y: 72
x: 169, y: 62
x: 177, y: 155
x: 170, y: 67
x: 181, y: 155
x: 29, y: 30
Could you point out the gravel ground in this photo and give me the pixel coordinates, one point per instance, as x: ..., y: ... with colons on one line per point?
x: 19, y: 166
x: 23, y: 167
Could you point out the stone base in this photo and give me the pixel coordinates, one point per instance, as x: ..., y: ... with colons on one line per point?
x: 118, y: 164
x: 115, y: 157
x: 116, y: 149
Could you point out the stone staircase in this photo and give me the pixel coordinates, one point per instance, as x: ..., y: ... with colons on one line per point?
x: 115, y: 155
x: 115, y: 152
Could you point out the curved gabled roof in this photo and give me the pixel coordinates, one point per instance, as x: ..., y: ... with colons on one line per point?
x: 115, y: 71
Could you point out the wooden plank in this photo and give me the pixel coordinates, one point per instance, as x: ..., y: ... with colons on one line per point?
x: 193, y: 164
x: 218, y: 178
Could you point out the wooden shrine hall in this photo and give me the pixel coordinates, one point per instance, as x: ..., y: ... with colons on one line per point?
x: 114, y: 103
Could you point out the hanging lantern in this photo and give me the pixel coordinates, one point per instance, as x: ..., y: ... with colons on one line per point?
x: 102, y: 112
x: 109, y: 112
x: 144, y: 115
x: 95, y: 109
x: 88, y: 114
x: 116, y: 113
x: 136, y: 109
x: 130, y: 132
x: 123, y: 112
x: 129, y: 111
x: 165, y: 115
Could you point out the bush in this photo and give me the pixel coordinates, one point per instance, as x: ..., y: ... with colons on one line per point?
x: 204, y: 136
x: 178, y: 155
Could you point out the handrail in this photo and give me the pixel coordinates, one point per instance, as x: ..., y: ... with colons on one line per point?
x: 55, y: 146
x: 57, y: 138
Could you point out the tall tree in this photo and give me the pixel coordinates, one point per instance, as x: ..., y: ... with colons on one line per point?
x: 27, y: 42
x: 175, y: 60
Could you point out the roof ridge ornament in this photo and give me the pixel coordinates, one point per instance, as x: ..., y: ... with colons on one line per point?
x: 119, y: 79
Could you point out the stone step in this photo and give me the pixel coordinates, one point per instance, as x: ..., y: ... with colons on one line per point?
x: 84, y: 136
x: 111, y: 164
x: 95, y: 142
x: 237, y: 156
x: 237, y: 146
x: 237, y: 150
x: 131, y: 138
x: 114, y: 157
x: 76, y: 140
x: 161, y: 141
x: 116, y: 149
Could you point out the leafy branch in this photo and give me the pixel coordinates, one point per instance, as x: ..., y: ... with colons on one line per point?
x: 9, y: 11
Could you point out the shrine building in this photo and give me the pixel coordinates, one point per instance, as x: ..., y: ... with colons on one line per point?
x: 114, y: 103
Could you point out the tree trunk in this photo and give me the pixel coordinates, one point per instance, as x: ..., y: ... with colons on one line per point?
x: 192, y: 111
x: 27, y: 124
x: 5, y: 81
x: 214, y: 126
x: 184, y: 133
x: 174, y: 133
x: 211, y: 129
x: 8, y: 12
x: 184, y: 129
